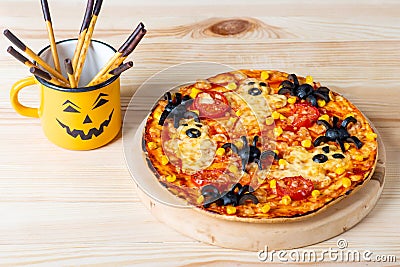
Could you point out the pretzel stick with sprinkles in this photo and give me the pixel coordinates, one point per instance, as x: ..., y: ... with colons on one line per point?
x: 70, y: 72
x: 49, y: 25
x: 18, y: 43
x: 87, y: 41
x: 82, y: 32
x: 111, y: 62
x: 45, y: 75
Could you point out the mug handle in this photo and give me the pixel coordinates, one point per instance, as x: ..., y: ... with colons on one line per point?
x: 19, y: 108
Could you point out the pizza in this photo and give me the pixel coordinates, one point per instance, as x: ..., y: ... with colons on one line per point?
x: 259, y: 144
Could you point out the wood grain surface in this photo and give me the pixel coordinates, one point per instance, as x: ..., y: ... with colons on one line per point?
x: 69, y: 208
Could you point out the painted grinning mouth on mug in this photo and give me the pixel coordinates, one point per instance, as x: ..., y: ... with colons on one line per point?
x: 93, y: 131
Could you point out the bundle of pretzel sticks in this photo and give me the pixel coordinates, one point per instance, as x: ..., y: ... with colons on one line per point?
x: 74, y: 65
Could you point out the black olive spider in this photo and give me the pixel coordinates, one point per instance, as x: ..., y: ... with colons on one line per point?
x: 304, y: 91
x: 338, y: 134
x: 237, y: 195
x: 250, y: 153
x: 177, y: 108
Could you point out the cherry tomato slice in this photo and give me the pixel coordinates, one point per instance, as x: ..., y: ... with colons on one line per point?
x: 305, y: 115
x: 215, y: 177
x: 296, y: 187
x: 211, y: 104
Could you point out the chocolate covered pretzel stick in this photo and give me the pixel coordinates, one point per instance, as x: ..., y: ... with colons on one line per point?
x: 114, y: 72
x: 122, y: 52
x: 18, y: 43
x: 88, y: 38
x: 82, y: 32
x: 45, y: 75
x: 130, y: 48
x: 20, y: 57
x: 70, y: 72
x: 49, y: 25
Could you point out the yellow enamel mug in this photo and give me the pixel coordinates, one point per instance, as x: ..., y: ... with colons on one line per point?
x: 80, y: 118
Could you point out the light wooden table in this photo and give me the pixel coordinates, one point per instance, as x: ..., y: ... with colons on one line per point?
x: 60, y: 207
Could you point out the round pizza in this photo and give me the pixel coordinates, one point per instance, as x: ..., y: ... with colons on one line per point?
x: 259, y: 144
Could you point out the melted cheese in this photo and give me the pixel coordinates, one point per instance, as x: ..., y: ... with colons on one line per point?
x: 206, y: 99
x: 256, y: 109
x: 257, y: 104
x: 276, y: 101
x: 300, y: 162
x: 194, y: 153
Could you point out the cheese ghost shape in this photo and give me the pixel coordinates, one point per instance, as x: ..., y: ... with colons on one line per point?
x: 192, y: 145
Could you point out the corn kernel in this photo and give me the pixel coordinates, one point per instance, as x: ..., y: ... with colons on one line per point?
x: 231, y: 86
x: 371, y: 136
x: 346, y: 146
x: 239, y: 113
x: 164, y: 160
x: 269, y: 121
x: 359, y: 157
x: 349, y: 115
x: 233, y: 169
x: 324, y: 117
x: 196, y: 111
x: 155, y: 131
x: 233, y: 119
x: 281, y: 117
x: 282, y: 162
x: 321, y: 103
x: 239, y: 144
x: 272, y: 184
x: 171, y: 178
x: 200, y: 199
x: 194, y: 92
x: 220, y: 151
x: 292, y: 100
x: 332, y: 96
x: 306, y: 143
x: 276, y: 115
x: 230, y: 210
x: 152, y: 145
x: 309, y: 80
x: 315, y: 193
x: 265, y: 208
x: 286, y: 200
x: 278, y: 131
x: 264, y: 76
x: 260, y: 180
x: 157, y: 115
x: 340, y: 170
x: 346, y: 182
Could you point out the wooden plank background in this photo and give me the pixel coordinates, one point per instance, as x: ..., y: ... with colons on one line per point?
x: 60, y: 207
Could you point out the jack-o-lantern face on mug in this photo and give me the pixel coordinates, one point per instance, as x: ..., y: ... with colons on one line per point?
x: 82, y: 118
x: 87, y: 123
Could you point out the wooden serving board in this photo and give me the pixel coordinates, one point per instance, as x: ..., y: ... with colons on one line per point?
x: 214, y: 230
